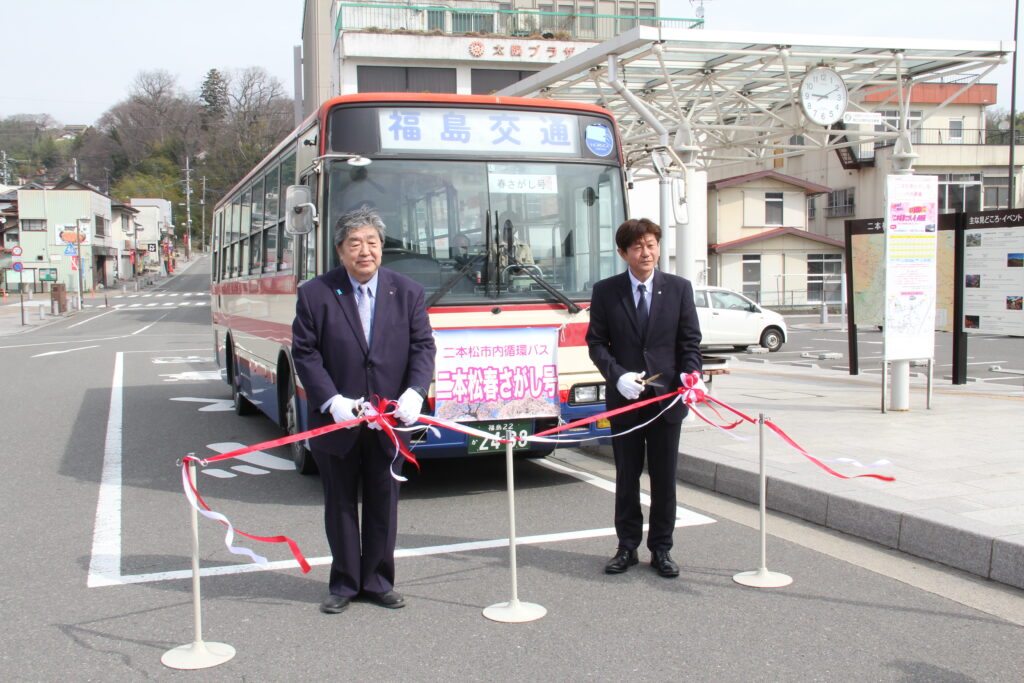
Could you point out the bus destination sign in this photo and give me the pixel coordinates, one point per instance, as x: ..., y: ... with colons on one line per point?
x: 477, y: 131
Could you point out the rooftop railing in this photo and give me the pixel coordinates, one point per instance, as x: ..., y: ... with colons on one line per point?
x: 391, y: 18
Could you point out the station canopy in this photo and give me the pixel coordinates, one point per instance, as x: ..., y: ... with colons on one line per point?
x: 708, y: 99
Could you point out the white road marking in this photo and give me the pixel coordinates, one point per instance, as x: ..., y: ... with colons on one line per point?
x: 105, y: 563
x: 249, y: 469
x: 54, y: 353
x: 214, y: 405
x: 89, y: 320
x: 192, y: 376
x: 182, y: 359
x: 258, y: 458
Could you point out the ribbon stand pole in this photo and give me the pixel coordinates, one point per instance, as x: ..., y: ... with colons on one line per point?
x: 762, y: 578
x: 513, y: 611
x: 197, y: 654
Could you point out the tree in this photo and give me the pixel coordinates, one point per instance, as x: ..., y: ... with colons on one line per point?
x: 214, y: 95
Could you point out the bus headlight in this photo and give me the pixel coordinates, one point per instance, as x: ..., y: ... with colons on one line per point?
x: 586, y: 393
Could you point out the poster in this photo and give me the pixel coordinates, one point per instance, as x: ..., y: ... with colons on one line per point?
x: 994, y: 273
x: 496, y: 373
x: 911, y: 240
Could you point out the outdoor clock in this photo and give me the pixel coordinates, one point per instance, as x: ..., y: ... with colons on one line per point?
x: 823, y: 95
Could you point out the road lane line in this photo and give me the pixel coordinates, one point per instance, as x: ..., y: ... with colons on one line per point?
x: 54, y: 353
x: 105, y: 563
x: 87, y: 320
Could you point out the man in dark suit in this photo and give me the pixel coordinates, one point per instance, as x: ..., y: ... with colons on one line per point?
x: 360, y: 331
x: 644, y: 323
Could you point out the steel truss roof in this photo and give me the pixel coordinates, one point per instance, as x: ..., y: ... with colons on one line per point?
x: 730, y: 97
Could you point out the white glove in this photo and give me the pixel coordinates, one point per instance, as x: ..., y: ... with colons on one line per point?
x: 367, y: 408
x: 343, y: 409
x: 629, y: 385
x: 694, y: 385
x: 410, y: 403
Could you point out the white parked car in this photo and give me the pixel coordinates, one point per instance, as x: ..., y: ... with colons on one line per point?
x: 728, y: 318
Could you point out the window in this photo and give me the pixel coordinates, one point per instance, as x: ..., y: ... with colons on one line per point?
x: 587, y: 20
x: 956, y: 130
x: 405, y: 79
x: 700, y: 297
x: 627, y: 12
x: 824, y: 278
x: 464, y: 22
x: 891, y: 123
x: 435, y: 20
x: 126, y: 224
x: 11, y: 239
x: 959, y: 192
x: 997, y: 192
x: 101, y: 225
x: 33, y: 225
x: 488, y: 81
x: 752, y: 276
x: 811, y: 208
x: 840, y: 203
x: 773, y: 202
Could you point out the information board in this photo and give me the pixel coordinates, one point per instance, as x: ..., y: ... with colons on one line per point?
x: 911, y: 238
x: 994, y: 273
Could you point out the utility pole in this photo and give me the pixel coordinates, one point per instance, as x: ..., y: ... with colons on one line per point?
x: 202, y: 203
x: 188, y: 209
x: 4, y: 173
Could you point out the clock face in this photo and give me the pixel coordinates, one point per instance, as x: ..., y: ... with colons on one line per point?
x: 823, y: 95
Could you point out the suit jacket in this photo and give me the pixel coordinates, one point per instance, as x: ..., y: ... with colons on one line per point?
x: 330, y: 351
x: 670, y: 346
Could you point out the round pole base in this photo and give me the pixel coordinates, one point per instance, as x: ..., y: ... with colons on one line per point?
x: 762, y: 578
x: 514, y: 612
x: 197, y: 655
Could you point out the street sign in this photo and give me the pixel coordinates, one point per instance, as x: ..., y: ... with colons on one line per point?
x: 152, y: 247
x: 16, y: 251
x: 17, y: 265
x: 71, y: 250
x: 74, y: 263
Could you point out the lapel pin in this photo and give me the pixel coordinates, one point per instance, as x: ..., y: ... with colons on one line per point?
x: 338, y: 291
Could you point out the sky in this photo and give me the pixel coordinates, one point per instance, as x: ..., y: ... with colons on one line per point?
x: 74, y: 59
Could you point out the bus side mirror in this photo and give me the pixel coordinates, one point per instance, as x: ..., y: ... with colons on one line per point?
x: 299, y: 210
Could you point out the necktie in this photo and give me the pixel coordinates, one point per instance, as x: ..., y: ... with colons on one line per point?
x: 641, y: 308
x: 365, y: 310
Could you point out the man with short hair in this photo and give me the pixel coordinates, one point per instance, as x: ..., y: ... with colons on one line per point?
x: 643, y: 323
x: 361, y: 331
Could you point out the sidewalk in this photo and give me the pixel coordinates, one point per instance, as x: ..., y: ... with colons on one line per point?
x: 958, y: 497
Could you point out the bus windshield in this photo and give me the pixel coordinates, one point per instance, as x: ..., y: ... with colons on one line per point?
x: 482, y: 231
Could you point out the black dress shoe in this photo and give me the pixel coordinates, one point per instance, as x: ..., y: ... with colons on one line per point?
x: 623, y: 560
x: 663, y: 564
x: 335, y: 604
x: 391, y: 599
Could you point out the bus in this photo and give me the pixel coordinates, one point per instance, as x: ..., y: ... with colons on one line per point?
x: 503, y: 208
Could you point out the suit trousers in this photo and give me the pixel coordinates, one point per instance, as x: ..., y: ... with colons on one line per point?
x: 658, y: 443
x: 361, y: 560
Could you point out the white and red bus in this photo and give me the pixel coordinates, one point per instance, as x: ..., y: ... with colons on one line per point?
x: 503, y: 208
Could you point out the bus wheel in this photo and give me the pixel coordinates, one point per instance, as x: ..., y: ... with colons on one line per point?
x: 303, y: 459
x: 243, y: 406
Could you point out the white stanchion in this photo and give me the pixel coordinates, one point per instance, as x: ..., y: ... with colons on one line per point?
x: 197, y: 654
x: 761, y: 577
x: 514, y: 611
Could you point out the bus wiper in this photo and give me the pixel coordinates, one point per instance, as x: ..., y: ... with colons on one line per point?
x: 451, y: 282
x: 528, y: 268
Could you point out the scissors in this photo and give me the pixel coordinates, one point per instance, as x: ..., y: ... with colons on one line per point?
x: 649, y: 381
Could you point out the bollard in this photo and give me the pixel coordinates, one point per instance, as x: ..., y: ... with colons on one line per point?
x: 197, y: 654
x: 824, y: 313
x: 762, y: 577
x: 514, y: 611
x: 42, y: 315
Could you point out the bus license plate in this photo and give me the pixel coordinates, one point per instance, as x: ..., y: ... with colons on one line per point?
x: 522, y: 429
